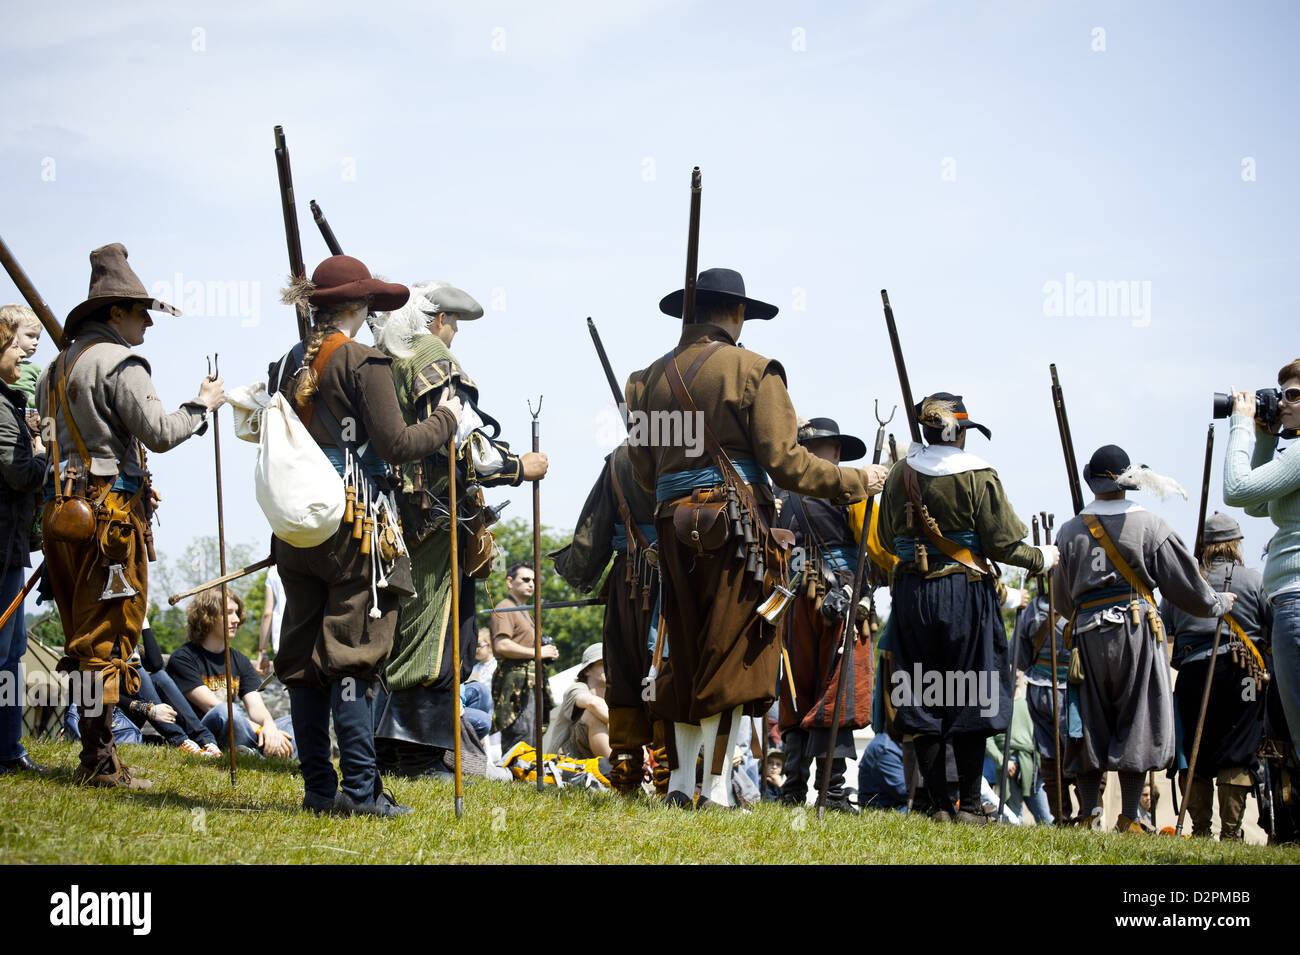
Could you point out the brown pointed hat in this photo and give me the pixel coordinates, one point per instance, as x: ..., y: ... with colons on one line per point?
x: 112, y: 282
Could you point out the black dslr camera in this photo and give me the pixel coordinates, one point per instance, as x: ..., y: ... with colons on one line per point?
x: 1267, y: 412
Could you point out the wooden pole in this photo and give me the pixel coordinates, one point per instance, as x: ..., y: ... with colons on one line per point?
x: 458, y: 779
x: 225, y: 597
x: 539, y: 693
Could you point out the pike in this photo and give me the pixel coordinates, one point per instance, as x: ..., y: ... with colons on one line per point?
x: 32, y: 296
x: 849, y: 631
x: 1205, y: 493
x: 294, y: 240
x: 22, y: 595
x: 1205, y: 706
x: 913, y: 425
x: 539, y: 689
x: 326, y: 232
x: 458, y: 798
x: 1049, y: 524
x: 262, y: 564
x: 214, y: 372
x: 1067, y: 443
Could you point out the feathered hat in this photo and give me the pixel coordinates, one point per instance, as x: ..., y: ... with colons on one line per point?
x: 944, y: 417
x: 1109, y: 470
x: 341, y: 278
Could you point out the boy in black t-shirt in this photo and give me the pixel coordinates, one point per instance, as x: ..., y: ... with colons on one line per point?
x: 199, y: 671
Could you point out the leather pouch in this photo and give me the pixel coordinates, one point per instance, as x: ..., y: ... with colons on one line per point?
x: 700, y: 521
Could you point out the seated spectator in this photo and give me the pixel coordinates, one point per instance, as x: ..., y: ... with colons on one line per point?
x: 485, y: 661
x: 199, y: 671
x: 580, y: 723
x: 157, y: 687
x: 1024, y: 769
x: 775, y: 775
x: 476, y: 706
x: 881, y: 784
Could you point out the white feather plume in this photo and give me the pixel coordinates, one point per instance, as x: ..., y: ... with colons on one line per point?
x: 1139, y: 477
x: 395, y: 332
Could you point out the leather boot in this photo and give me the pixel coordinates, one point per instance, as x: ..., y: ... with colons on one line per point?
x: 1200, y: 805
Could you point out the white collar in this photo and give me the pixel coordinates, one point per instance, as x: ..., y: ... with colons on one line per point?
x: 1122, y: 506
x: 938, y: 460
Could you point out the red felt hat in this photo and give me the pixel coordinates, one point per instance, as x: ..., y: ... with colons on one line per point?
x: 341, y: 278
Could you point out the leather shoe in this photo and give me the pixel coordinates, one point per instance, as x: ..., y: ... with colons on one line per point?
x: 23, y: 764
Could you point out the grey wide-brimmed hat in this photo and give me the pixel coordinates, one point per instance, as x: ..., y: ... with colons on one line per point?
x: 851, y: 448
x: 112, y: 282
x: 1220, y: 528
x: 726, y: 286
x: 592, y: 655
x: 448, y: 298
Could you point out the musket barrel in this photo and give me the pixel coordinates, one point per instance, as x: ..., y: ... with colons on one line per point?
x: 1067, y: 442
x: 692, y: 248
x: 326, y: 232
x: 292, y: 237
x: 909, y: 405
x: 32, y: 296
x: 1205, y: 492
x: 262, y: 564
x: 619, y: 401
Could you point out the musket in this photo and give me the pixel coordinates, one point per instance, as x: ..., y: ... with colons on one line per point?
x: 1067, y: 443
x: 292, y: 237
x: 326, y: 232
x: 692, y: 249
x: 539, y: 689
x: 214, y: 372
x: 619, y: 401
x: 549, y: 605
x: 1205, y: 493
x: 458, y: 798
x: 1205, y: 706
x: 849, y: 632
x: 913, y: 425
x: 32, y: 296
x: 262, y: 564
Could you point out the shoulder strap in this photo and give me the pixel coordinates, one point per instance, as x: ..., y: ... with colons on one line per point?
x: 954, y: 551
x: 59, y: 376
x: 624, y: 511
x: 1116, y: 558
x: 723, y: 463
x: 323, y: 355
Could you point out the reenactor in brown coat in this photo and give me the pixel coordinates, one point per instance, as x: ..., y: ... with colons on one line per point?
x: 710, y: 423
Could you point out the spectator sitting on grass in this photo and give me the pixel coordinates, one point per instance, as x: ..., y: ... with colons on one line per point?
x: 199, y: 671
x: 580, y: 723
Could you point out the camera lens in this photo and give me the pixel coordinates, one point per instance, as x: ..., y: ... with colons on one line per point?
x: 1222, y: 405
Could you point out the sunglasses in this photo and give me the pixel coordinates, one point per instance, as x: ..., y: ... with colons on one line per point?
x: 1291, y: 395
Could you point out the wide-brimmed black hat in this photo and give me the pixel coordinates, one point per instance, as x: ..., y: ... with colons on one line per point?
x: 718, y: 285
x: 946, y: 413
x: 1104, y: 467
x: 851, y: 448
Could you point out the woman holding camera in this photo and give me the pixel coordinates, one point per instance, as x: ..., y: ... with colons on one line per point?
x: 1269, y: 486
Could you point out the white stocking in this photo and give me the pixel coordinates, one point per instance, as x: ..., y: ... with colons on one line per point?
x: 718, y: 788
x: 687, y: 738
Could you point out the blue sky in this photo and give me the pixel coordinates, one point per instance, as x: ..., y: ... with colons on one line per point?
x: 963, y: 156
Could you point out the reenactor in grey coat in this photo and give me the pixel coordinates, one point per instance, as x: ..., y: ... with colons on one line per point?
x: 1113, y: 554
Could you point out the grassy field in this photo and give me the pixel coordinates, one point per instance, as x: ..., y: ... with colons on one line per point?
x: 192, y: 815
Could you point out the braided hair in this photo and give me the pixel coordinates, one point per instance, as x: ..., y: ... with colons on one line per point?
x: 324, y: 324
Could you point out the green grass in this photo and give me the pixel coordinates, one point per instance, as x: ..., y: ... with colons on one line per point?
x: 192, y: 815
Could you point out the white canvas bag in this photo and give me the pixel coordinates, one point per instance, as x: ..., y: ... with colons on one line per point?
x: 296, y: 486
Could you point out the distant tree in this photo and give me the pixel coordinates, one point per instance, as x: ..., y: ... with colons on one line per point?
x: 572, y: 629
